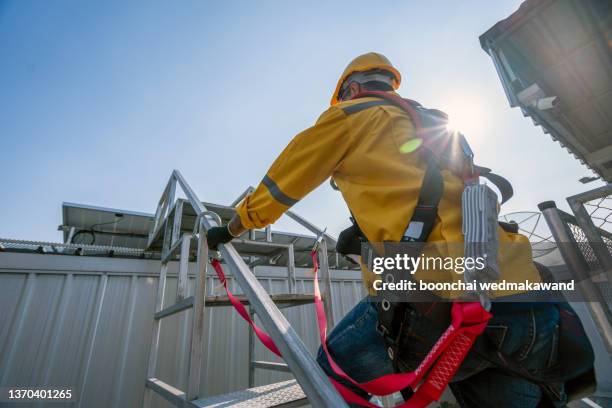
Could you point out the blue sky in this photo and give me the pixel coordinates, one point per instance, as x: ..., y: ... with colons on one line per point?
x: 99, y: 101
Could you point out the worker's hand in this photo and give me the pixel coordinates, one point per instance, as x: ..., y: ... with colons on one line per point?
x: 218, y: 235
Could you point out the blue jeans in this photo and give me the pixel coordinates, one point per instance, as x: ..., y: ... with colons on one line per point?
x: 529, y: 335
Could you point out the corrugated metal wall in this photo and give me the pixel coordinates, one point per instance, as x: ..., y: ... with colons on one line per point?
x: 85, y: 323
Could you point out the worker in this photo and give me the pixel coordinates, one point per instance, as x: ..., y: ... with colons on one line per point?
x: 360, y: 143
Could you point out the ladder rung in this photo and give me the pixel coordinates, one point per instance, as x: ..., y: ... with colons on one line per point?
x: 282, y: 394
x: 172, y: 251
x: 268, y: 365
x: 282, y: 300
x: 175, y: 308
x: 171, y: 394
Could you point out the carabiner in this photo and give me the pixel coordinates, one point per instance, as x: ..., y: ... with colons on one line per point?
x: 318, y: 240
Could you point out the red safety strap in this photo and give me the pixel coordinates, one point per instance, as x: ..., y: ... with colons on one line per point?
x: 468, y: 321
x: 262, y: 335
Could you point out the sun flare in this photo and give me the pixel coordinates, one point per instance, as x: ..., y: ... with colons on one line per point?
x: 464, y: 116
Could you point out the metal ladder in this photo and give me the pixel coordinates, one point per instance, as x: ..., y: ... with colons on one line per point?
x: 178, y: 223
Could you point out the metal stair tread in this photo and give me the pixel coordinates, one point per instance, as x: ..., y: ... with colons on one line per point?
x: 281, y: 299
x: 282, y: 394
x: 292, y: 299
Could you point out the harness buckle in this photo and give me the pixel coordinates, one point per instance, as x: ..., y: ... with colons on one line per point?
x: 382, y: 330
x: 421, y: 223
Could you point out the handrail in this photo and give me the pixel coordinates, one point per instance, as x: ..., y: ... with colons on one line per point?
x: 309, y: 375
x: 594, y: 235
x: 303, y: 222
x: 577, y: 265
x: 312, y: 228
x: 246, y: 192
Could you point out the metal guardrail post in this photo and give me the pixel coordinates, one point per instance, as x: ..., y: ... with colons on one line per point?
x: 176, y: 223
x: 182, y: 285
x: 291, y: 268
x: 268, y: 234
x: 576, y: 203
x: 197, y: 347
x: 598, y: 309
x: 309, y: 375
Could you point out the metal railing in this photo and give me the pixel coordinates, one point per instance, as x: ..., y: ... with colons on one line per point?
x: 319, y: 391
x: 585, y: 249
x: 600, y: 239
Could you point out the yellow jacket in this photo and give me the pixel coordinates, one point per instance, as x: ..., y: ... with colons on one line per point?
x: 380, y: 185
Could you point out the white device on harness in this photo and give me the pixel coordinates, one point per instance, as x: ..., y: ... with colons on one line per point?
x: 480, y: 213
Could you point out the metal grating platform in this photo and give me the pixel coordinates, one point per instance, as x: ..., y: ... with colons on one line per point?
x: 283, y: 394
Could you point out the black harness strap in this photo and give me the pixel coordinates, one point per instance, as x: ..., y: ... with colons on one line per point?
x: 504, y: 186
x: 392, y: 315
x: 426, y: 211
x: 358, y: 107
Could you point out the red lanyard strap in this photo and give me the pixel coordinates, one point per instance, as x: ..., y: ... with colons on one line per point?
x: 262, y: 335
x: 468, y: 321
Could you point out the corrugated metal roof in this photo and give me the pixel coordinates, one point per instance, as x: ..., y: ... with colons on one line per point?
x: 561, y: 48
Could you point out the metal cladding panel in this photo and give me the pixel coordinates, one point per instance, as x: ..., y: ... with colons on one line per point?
x: 562, y: 48
x: 85, y: 323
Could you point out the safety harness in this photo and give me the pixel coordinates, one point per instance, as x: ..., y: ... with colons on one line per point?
x: 467, y: 319
x: 440, y: 149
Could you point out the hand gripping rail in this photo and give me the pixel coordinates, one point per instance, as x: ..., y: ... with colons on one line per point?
x: 314, y: 382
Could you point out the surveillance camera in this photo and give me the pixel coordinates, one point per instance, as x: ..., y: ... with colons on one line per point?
x: 547, y: 103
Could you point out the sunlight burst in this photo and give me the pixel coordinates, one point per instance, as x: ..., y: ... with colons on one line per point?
x: 464, y: 116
